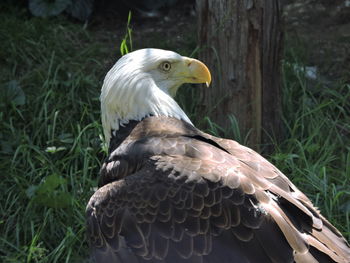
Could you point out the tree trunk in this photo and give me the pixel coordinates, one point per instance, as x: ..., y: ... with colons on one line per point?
x: 240, y: 41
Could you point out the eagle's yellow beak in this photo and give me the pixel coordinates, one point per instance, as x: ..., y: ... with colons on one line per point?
x: 198, y: 71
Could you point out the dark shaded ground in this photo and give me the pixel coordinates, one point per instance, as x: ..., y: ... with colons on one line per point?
x: 323, y: 26
x: 320, y: 27
x: 173, y: 28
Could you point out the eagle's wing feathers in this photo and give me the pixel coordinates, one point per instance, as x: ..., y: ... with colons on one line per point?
x: 183, y: 198
x: 297, y: 208
x: 167, y: 211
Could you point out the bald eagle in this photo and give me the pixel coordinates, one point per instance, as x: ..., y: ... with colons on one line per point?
x: 172, y: 193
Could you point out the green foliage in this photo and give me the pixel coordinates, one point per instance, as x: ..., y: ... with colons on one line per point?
x: 126, y: 44
x: 12, y: 94
x: 315, y: 153
x: 48, y: 193
x: 50, y: 150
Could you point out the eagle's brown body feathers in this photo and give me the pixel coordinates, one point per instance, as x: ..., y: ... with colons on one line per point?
x: 171, y: 193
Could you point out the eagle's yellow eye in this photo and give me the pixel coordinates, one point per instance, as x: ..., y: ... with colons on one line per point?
x: 165, y: 66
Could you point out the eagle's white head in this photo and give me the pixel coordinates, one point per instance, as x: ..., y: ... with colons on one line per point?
x: 143, y: 83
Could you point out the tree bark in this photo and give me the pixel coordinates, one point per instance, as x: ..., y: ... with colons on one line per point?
x: 241, y: 42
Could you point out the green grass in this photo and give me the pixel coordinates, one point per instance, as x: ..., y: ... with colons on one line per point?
x: 51, y: 72
x: 49, y: 128
x: 316, y: 151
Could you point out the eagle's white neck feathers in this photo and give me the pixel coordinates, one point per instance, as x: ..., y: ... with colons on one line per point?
x: 130, y: 91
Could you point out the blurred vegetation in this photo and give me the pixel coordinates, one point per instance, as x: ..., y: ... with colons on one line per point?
x: 80, y: 9
x: 51, y: 71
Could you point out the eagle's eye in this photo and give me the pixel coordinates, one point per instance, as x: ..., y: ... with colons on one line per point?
x: 165, y: 66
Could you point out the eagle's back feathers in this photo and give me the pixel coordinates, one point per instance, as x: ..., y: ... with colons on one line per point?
x: 171, y: 193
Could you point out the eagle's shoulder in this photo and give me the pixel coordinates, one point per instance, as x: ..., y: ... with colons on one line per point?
x: 177, y: 193
x: 137, y: 141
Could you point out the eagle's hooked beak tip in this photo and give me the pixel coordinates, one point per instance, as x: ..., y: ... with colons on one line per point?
x: 199, y: 71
